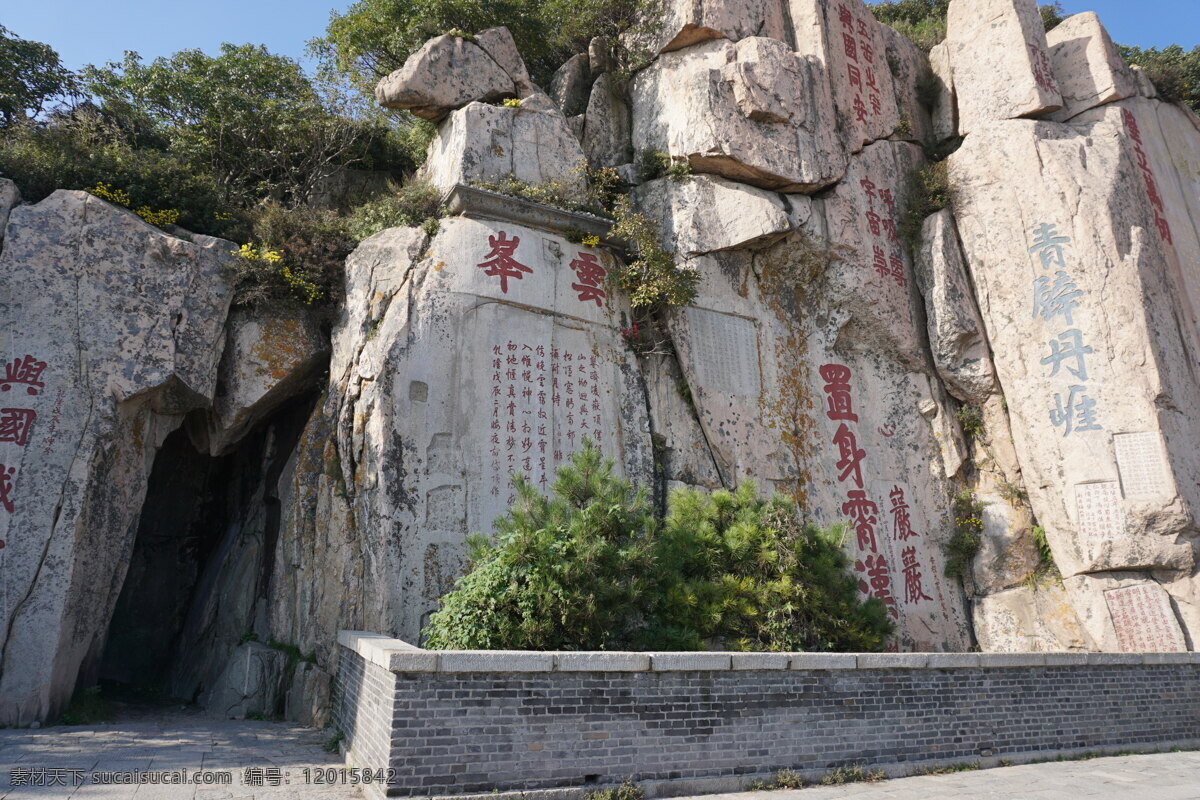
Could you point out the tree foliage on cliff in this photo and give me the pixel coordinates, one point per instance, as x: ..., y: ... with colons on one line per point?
x: 591, y: 567
x: 1174, y: 71
x: 924, y: 21
x: 31, y: 75
x: 372, y: 38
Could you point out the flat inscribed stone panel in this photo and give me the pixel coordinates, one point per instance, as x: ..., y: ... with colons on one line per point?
x: 1140, y: 462
x: 1144, y: 620
x: 724, y: 352
x: 1098, y: 511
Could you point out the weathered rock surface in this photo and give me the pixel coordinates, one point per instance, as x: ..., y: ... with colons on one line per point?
x: 945, y: 108
x: 113, y: 332
x: 1089, y: 70
x: 484, y: 143
x: 753, y: 111
x: 677, y: 24
x: 271, y: 355
x: 910, y: 70
x: 850, y: 50
x: 494, y: 351
x: 956, y: 336
x: 1028, y: 619
x: 499, y: 45
x: 9, y: 198
x: 1001, y: 64
x: 606, y: 133
x: 1087, y: 334
x: 445, y: 74
x: 252, y: 683
x: 702, y: 213
x: 571, y: 85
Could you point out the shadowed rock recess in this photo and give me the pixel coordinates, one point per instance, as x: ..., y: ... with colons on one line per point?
x: 199, y: 498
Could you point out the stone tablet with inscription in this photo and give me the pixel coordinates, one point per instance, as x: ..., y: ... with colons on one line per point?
x: 1144, y: 620
x: 726, y: 351
x: 1140, y: 462
x: 1099, y: 515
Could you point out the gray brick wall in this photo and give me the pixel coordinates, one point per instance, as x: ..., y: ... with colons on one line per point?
x: 455, y: 732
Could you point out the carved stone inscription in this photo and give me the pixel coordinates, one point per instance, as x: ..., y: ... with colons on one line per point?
x: 725, y: 352
x: 1140, y: 462
x: 1099, y: 515
x: 1144, y: 620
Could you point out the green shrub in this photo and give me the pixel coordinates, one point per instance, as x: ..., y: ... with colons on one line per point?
x: 298, y: 256
x: 626, y: 791
x: 591, y: 567
x: 967, y: 537
x: 87, y: 707
x: 928, y: 192
x: 1174, y: 71
x: 566, y: 572
x: 970, y: 419
x: 82, y: 150
x: 651, y: 277
x: 652, y: 164
x: 411, y: 205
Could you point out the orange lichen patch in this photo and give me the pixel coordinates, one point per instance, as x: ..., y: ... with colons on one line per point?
x: 438, y: 267
x: 785, y: 273
x: 283, y: 343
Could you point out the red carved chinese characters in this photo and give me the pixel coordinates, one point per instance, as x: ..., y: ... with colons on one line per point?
x: 862, y: 511
x: 542, y: 399
x: 1156, y: 203
x: 501, y: 261
x: 6, y: 485
x: 858, y: 46
x: 591, y: 277
x: 886, y: 258
x: 25, y: 371
x: 15, y: 424
x: 1042, y: 73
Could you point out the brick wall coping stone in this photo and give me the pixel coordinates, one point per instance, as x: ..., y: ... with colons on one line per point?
x: 398, y: 656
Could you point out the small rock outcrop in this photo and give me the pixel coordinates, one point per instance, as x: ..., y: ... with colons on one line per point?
x: 447, y: 73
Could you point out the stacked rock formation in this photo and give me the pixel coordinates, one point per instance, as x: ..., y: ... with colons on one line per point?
x: 1054, y: 305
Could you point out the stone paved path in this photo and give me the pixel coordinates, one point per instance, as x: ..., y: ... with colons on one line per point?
x: 1159, y: 776
x: 171, y: 743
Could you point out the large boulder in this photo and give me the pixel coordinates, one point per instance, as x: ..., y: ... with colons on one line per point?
x: 956, y: 335
x: 703, y: 213
x: 446, y: 73
x: 606, y: 132
x: 500, y: 46
x: 1076, y: 238
x: 271, y: 355
x: 570, y: 87
x: 754, y: 112
x: 676, y: 24
x: 485, y: 143
x: 113, y: 332
x: 9, y: 199
x: 945, y: 103
x: 1002, y: 68
x: 1089, y: 70
x: 489, y: 350
x: 850, y: 49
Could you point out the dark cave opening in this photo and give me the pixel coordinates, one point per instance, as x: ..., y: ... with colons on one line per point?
x: 199, y: 573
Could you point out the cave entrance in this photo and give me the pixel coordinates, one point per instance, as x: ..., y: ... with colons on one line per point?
x: 199, y: 573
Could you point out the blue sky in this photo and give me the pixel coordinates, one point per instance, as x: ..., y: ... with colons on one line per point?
x: 95, y: 31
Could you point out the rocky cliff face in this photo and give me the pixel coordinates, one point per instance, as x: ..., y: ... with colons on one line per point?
x: 1032, y: 350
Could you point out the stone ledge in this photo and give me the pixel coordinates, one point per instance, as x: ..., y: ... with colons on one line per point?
x: 1012, y: 659
x: 824, y: 661
x: 399, y: 656
x: 477, y: 203
x: 954, y: 660
x: 775, y: 661
x: 893, y: 660
x: 678, y: 662
x: 495, y: 661
x: 602, y: 662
